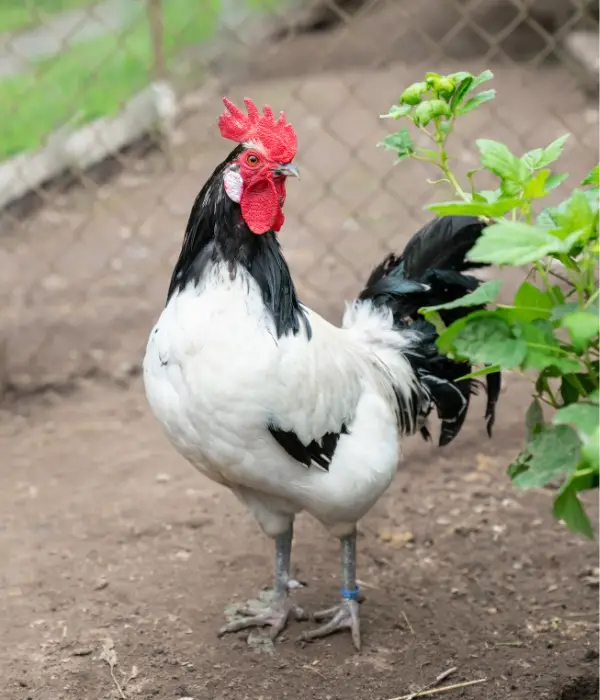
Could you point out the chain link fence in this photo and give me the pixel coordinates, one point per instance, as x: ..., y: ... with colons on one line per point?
x: 108, y: 132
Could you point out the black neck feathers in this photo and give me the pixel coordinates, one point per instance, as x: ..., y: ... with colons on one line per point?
x: 216, y: 232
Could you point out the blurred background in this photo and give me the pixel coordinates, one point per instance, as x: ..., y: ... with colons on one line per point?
x: 117, y: 558
x: 108, y: 110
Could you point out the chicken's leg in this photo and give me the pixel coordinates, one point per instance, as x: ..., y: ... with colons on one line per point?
x: 276, y: 612
x: 344, y: 615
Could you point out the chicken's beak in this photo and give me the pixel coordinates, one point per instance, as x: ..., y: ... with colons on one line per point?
x: 286, y: 170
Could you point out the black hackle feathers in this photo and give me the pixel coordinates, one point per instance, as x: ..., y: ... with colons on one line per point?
x: 432, y: 270
x: 216, y: 232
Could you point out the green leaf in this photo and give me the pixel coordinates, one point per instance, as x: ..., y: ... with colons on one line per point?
x: 583, y: 479
x: 560, y: 311
x: 582, y: 327
x: 543, y: 350
x: 513, y: 243
x: 576, y: 215
x: 477, y: 100
x: 494, y: 210
x: 491, y: 195
x: 434, y: 318
x: 461, y: 91
x: 552, y: 452
x: 511, y: 188
x: 487, y: 339
x: 591, y: 450
x: 533, y: 302
x: 482, y: 78
x: 396, y: 112
x: 553, y: 151
x: 545, y: 219
x: 555, y: 180
x: 582, y: 417
x: 570, y: 388
x: 400, y: 142
x: 491, y: 369
x: 534, y: 418
x: 484, y: 294
x: 593, y: 197
x: 460, y: 76
x: 535, y: 188
x: 542, y: 157
x: 568, y: 508
x: 593, y: 177
x: 497, y: 158
x: 445, y: 341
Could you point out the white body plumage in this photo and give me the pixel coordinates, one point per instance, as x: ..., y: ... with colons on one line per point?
x: 216, y: 375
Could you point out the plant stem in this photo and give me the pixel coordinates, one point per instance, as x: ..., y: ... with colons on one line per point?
x: 444, y: 165
x: 445, y: 168
x: 424, y: 159
x: 553, y: 402
x: 592, y: 299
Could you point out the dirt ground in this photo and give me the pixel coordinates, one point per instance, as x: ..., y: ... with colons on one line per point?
x: 108, y: 540
x: 108, y: 535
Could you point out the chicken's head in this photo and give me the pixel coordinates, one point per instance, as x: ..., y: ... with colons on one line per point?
x: 256, y: 179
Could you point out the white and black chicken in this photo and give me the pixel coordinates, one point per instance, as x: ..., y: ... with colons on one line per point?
x: 265, y: 397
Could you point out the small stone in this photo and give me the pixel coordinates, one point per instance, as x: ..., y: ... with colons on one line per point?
x: 398, y: 539
x: 101, y: 584
x: 163, y: 478
x: 84, y: 651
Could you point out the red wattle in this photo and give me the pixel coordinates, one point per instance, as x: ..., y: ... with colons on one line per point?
x: 261, y: 206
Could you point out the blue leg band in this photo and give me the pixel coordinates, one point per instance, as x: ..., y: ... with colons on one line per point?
x: 349, y: 594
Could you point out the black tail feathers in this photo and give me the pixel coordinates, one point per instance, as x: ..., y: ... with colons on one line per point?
x: 432, y: 270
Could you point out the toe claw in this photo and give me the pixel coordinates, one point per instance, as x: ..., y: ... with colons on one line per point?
x: 275, y: 615
x: 319, y: 615
x: 293, y: 584
x: 343, y: 617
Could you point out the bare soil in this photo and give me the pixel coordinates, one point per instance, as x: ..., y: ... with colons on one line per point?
x: 108, y: 535
x: 109, y: 541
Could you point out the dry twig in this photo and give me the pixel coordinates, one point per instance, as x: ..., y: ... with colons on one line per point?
x: 432, y: 690
x: 109, y: 655
x: 410, y: 627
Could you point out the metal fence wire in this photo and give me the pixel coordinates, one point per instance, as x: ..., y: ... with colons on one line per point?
x: 108, y: 117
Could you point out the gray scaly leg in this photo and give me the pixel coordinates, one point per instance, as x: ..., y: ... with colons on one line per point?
x: 343, y: 616
x: 279, y: 609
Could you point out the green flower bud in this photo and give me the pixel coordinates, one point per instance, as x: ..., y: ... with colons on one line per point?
x: 429, y: 110
x: 432, y: 78
x: 412, y: 94
x: 444, y: 87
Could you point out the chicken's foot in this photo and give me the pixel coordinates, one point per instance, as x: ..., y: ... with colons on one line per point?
x: 343, y: 616
x: 274, y: 608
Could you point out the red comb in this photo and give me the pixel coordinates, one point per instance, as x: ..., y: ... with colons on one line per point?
x: 277, y: 137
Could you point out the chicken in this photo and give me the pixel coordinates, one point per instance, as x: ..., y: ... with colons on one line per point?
x: 265, y: 397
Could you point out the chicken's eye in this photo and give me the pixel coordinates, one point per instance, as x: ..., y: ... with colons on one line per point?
x: 251, y: 159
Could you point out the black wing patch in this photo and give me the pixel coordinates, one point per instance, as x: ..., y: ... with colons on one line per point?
x: 318, y: 453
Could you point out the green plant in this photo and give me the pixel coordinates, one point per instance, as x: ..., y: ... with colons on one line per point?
x: 548, y: 334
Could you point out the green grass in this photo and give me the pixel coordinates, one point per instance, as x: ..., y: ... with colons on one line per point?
x: 16, y: 15
x: 94, y: 79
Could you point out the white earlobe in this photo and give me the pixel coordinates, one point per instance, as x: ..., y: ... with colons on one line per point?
x: 233, y: 184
